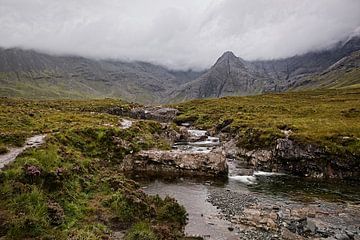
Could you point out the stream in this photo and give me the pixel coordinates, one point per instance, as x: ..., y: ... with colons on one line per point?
x: 260, y: 205
x: 10, y: 156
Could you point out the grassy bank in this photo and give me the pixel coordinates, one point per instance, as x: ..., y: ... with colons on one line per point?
x: 329, y: 118
x: 71, y: 188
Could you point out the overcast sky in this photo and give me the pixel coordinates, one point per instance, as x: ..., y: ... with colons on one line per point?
x: 177, y: 33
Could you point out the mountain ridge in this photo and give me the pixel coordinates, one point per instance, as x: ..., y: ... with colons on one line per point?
x: 30, y: 74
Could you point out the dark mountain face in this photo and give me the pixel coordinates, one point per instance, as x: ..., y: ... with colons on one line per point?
x: 230, y: 75
x: 26, y: 73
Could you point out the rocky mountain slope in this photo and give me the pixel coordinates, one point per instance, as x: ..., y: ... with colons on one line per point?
x: 345, y: 73
x: 231, y: 75
x: 27, y: 73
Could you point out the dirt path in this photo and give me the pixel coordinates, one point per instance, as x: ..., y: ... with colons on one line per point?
x: 34, y: 141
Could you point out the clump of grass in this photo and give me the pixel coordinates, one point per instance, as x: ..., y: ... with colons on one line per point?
x: 3, y: 150
x: 141, y: 231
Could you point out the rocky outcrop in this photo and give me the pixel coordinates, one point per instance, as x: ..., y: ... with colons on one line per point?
x: 177, y: 162
x: 149, y: 113
x: 300, y: 159
x: 154, y: 113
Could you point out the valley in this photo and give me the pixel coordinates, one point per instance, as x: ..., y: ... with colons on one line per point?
x: 87, y: 179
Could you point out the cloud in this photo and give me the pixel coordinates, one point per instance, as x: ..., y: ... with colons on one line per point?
x: 177, y: 33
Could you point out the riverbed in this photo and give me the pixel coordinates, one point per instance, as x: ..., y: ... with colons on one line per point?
x: 262, y: 205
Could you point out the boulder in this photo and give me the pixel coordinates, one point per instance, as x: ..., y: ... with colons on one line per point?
x: 211, y: 163
x: 154, y: 113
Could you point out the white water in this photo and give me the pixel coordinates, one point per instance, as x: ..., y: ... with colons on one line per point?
x: 125, y: 124
x: 197, y: 133
x: 244, y: 179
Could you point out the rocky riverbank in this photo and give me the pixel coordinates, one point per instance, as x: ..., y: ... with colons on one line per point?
x: 286, y: 219
x: 299, y: 159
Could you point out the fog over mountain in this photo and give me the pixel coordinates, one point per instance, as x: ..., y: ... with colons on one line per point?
x: 179, y: 34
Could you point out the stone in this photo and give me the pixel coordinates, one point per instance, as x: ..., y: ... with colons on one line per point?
x: 311, y: 226
x: 154, y: 113
x: 211, y: 163
x: 288, y: 235
x: 341, y: 236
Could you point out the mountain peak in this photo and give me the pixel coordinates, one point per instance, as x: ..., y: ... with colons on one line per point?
x: 228, y: 55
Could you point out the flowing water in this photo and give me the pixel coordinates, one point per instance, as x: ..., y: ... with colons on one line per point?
x: 34, y: 141
x: 208, y: 221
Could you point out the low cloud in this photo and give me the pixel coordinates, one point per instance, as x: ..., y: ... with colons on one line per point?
x: 177, y: 33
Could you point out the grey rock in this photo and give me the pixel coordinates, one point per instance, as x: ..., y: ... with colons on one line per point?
x: 340, y: 236
x: 154, y: 113
x: 156, y: 162
x: 311, y: 226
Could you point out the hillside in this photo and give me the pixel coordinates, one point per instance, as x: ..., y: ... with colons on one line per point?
x: 343, y: 74
x: 30, y: 74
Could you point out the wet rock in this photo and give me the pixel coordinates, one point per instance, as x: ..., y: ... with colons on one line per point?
x: 311, y: 226
x: 341, y: 236
x: 299, y: 159
x: 154, y: 113
x: 211, y: 163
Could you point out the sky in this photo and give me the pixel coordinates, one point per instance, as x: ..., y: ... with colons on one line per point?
x: 179, y: 34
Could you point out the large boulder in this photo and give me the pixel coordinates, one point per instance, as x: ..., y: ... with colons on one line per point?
x: 177, y: 162
x: 154, y: 113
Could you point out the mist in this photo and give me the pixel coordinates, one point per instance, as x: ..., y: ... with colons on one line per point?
x: 179, y: 34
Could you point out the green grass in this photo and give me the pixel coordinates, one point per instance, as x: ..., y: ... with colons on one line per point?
x: 328, y: 118
x: 71, y: 187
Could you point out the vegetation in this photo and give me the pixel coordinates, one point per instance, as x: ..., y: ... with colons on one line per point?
x: 70, y: 187
x: 328, y: 118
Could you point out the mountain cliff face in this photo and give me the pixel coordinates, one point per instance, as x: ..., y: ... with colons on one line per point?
x: 27, y: 73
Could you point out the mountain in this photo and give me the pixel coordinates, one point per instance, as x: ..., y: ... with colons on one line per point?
x: 292, y: 71
x: 30, y: 74
x: 231, y: 75
x: 345, y: 73
x: 27, y: 73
